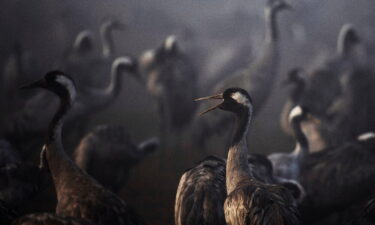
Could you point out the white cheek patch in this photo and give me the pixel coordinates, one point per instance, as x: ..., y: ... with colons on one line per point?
x: 366, y: 136
x: 68, y: 84
x: 241, y: 99
x: 170, y: 42
x: 296, y: 111
x: 147, y: 58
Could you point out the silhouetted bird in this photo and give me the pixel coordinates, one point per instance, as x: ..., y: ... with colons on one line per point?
x: 25, y: 127
x: 107, y: 153
x: 78, y: 195
x: 171, y: 79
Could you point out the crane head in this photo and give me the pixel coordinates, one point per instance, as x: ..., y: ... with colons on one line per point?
x: 233, y: 99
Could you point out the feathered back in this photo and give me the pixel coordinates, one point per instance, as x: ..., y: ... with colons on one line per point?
x: 108, y: 153
x: 201, y: 194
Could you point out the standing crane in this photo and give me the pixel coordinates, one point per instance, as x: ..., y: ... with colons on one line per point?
x: 202, y: 191
x: 249, y: 200
x: 171, y: 79
x: 25, y: 127
x: 78, y: 194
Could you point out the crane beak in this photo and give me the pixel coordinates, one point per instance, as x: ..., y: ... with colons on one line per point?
x: 217, y: 96
x: 37, y: 84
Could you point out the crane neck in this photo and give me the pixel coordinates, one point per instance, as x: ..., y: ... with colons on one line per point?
x: 237, y: 165
x: 243, y: 119
x: 114, y: 87
x: 59, y: 163
x: 296, y: 91
x: 346, y: 42
x: 55, y: 127
x: 345, y: 48
x: 107, y: 41
x: 302, y: 146
x: 272, y: 33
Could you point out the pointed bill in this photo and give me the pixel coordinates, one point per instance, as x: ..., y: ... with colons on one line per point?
x: 210, y: 109
x: 217, y: 96
x: 37, y: 84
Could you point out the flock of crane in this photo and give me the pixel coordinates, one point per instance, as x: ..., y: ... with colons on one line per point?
x: 328, y: 178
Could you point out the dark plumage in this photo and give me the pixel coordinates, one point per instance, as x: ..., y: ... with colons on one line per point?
x: 352, y: 113
x: 7, y: 213
x: 249, y: 200
x: 336, y: 178
x: 78, y: 195
x: 26, y: 127
x: 108, y: 153
x: 20, y: 181
x: 171, y: 79
x: 202, y: 191
x: 201, y: 194
x: 8, y: 153
x: 49, y: 219
x: 323, y: 89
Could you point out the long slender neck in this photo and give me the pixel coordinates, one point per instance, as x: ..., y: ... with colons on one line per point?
x: 59, y: 163
x: 237, y: 165
x: 302, y: 146
x: 107, y: 41
x: 272, y: 33
x: 297, y: 89
x: 55, y: 127
x: 115, y: 83
x: 345, y: 47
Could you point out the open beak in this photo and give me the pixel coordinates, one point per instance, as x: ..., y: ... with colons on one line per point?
x: 217, y: 96
x: 37, y: 84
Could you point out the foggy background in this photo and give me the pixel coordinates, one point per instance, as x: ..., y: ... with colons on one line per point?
x: 46, y: 28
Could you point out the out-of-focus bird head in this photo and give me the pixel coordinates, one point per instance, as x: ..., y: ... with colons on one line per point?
x: 83, y: 42
x: 166, y: 52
